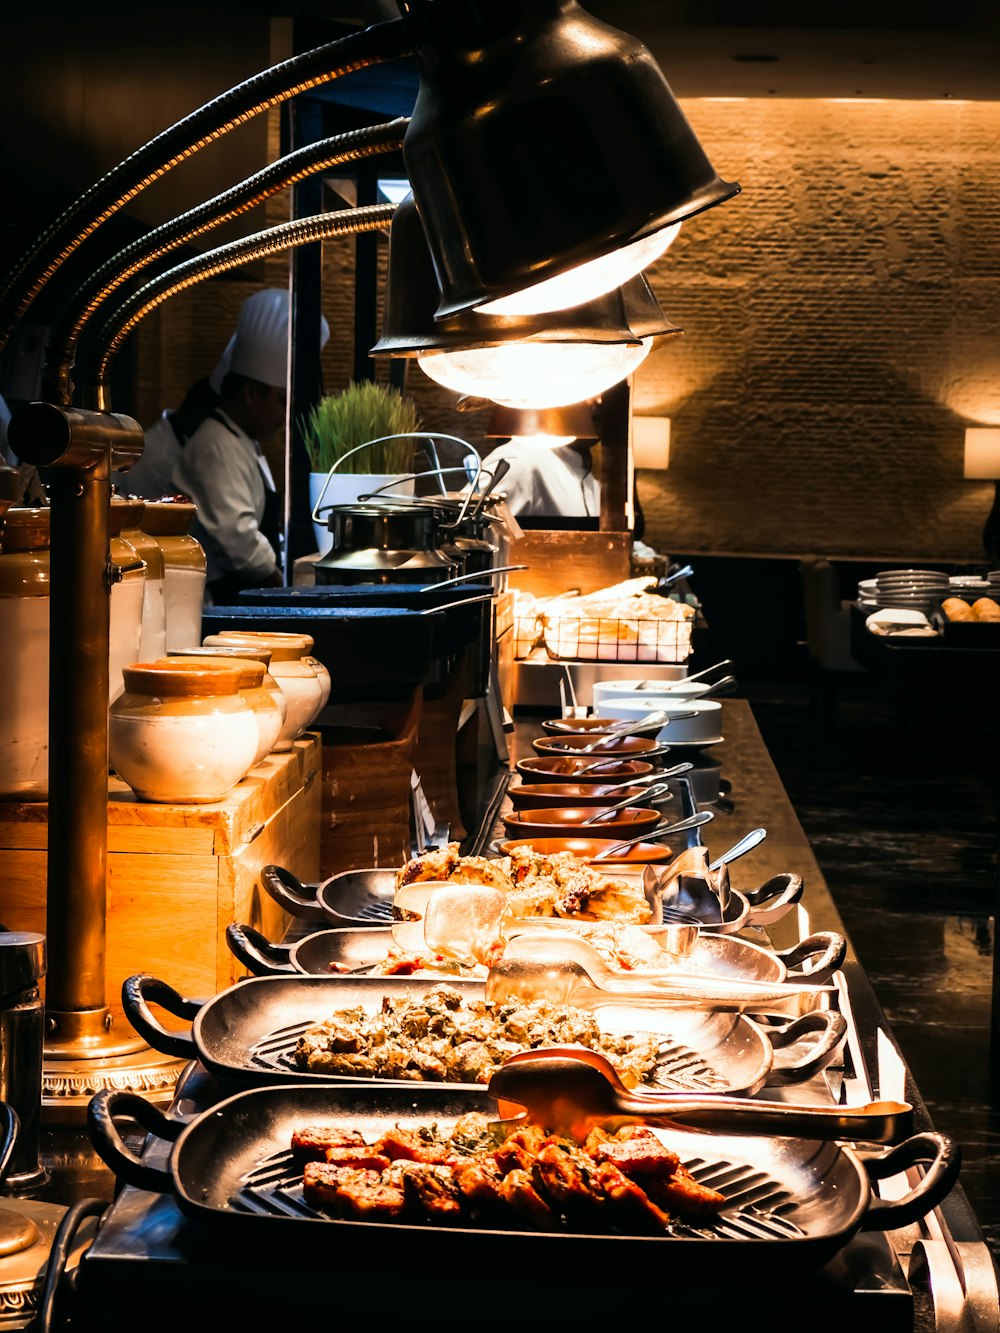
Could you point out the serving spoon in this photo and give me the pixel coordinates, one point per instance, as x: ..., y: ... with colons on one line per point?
x: 616, y: 732
x: 561, y: 1087
x: 661, y: 831
x: 664, y: 686
x: 650, y: 794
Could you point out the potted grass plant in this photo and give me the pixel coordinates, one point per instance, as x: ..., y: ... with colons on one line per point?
x: 357, y: 440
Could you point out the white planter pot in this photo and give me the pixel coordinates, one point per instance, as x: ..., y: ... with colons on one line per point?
x: 345, y: 488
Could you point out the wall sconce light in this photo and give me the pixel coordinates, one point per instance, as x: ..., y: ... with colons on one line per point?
x: 982, y: 463
x: 651, y: 443
x: 521, y: 361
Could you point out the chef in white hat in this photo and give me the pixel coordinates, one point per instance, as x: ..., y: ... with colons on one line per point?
x: 222, y: 466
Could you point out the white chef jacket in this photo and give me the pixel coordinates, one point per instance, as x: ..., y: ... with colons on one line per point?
x: 225, y: 473
x: 546, y: 482
x: 152, y: 475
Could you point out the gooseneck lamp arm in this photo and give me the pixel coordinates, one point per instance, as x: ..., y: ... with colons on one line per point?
x: 162, y: 240
x: 285, y: 236
x: 271, y: 87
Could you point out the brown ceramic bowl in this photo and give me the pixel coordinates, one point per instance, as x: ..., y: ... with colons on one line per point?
x: 630, y: 747
x: 566, y: 820
x: 546, y: 795
x: 591, y: 727
x: 643, y: 853
x: 566, y: 768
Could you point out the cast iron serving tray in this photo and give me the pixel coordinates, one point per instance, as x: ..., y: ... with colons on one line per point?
x: 793, y: 1201
x: 249, y: 1032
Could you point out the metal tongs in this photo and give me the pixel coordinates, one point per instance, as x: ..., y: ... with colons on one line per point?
x: 540, y: 969
x: 562, y: 1087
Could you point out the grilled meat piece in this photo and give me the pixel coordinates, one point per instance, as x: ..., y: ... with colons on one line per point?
x: 638, y: 1153
x: 519, y: 1150
x: 479, y: 1181
x: 348, y: 1192
x: 411, y: 1145
x: 310, y: 1143
x: 517, y: 1190
x: 565, y: 1174
x: 683, y: 1195
x: 433, y: 1191
x: 629, y: 1200
x: 446, y: 864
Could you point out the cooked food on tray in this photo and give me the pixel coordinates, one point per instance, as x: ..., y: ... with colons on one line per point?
x: 626, y: 1181
x: 536, y: 885
x: 445, y: 1038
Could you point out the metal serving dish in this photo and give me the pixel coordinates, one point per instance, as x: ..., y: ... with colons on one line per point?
x: 249, y: 1031
x: 546, y: 795
x: 349, y: 898
x: 582, y: 768
x: 792, y: 1201
x: 346, y: 950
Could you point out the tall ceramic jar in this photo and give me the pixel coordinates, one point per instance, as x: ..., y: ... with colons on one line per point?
x: 267, y: 713
x: 293, y: 669
x: 24, y: 633
x: 181, y: 733
x: 127, y: 595
x: 153, y: 637
x: 185, y: 566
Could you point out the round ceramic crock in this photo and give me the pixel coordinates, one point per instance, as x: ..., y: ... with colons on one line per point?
x: 24, y: 632
x: 294, y: 670
x: 266, y: 711
x: 181, y: 734
x: 263, y: 655
x: 153, y: 636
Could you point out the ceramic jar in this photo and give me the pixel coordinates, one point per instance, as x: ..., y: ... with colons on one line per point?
x: 266, y: 711
x: 169, y: 523
x: 153, y: 636
x: 181, y: 734
x: 254, y: 655
x: 292, y: 668
x: 127, y: 595
x: 24, y: 632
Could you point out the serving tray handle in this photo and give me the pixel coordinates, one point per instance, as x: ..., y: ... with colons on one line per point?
x: 828, y: 951
x: 256, y: 952
x: 832, y: 1029
x: 289, y: 892
x: 943, y: 1159
x: 112, y: 1149
x: 137, y: 992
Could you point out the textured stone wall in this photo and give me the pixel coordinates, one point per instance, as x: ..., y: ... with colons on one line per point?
x: 842, y: 326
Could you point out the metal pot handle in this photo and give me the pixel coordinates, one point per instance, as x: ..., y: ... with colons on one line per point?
x: 772, y: 900
x: 137, y: 991
x: 827, y: 948
x: 57, y: 1284
x: 832, y: 1029
x: 256, y: 952
x: 289, y: 892
x: 944, y: 1160
x: 112, y: 1148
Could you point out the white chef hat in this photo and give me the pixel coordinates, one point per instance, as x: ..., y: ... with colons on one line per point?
x: 259, y: 347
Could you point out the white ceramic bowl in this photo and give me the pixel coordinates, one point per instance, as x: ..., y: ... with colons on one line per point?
x: 705, y: 726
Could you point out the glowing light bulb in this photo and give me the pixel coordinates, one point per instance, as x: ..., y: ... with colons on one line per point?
x: 587, y: 281
x: 533, y: 375
x: 543, y: 441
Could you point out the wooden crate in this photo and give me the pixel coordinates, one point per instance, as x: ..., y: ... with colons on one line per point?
x: 179, y: 874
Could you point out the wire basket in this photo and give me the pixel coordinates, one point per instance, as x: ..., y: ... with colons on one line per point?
x: 618, y: 638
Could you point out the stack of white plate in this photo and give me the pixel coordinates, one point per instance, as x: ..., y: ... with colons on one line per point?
x: 993, y: 580
x: 867, y: 593
x: 967, y: 585
x: 918, y: 589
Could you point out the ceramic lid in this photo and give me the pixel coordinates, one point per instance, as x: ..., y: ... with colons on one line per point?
x: 251, y: 673
x: 168, y: 518
x: 251, y: 652
x: 26, y: 528
x: 285, y: 647
x: 184, y: 680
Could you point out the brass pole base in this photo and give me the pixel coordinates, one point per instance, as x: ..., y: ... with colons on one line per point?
x: 69, y: 1085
